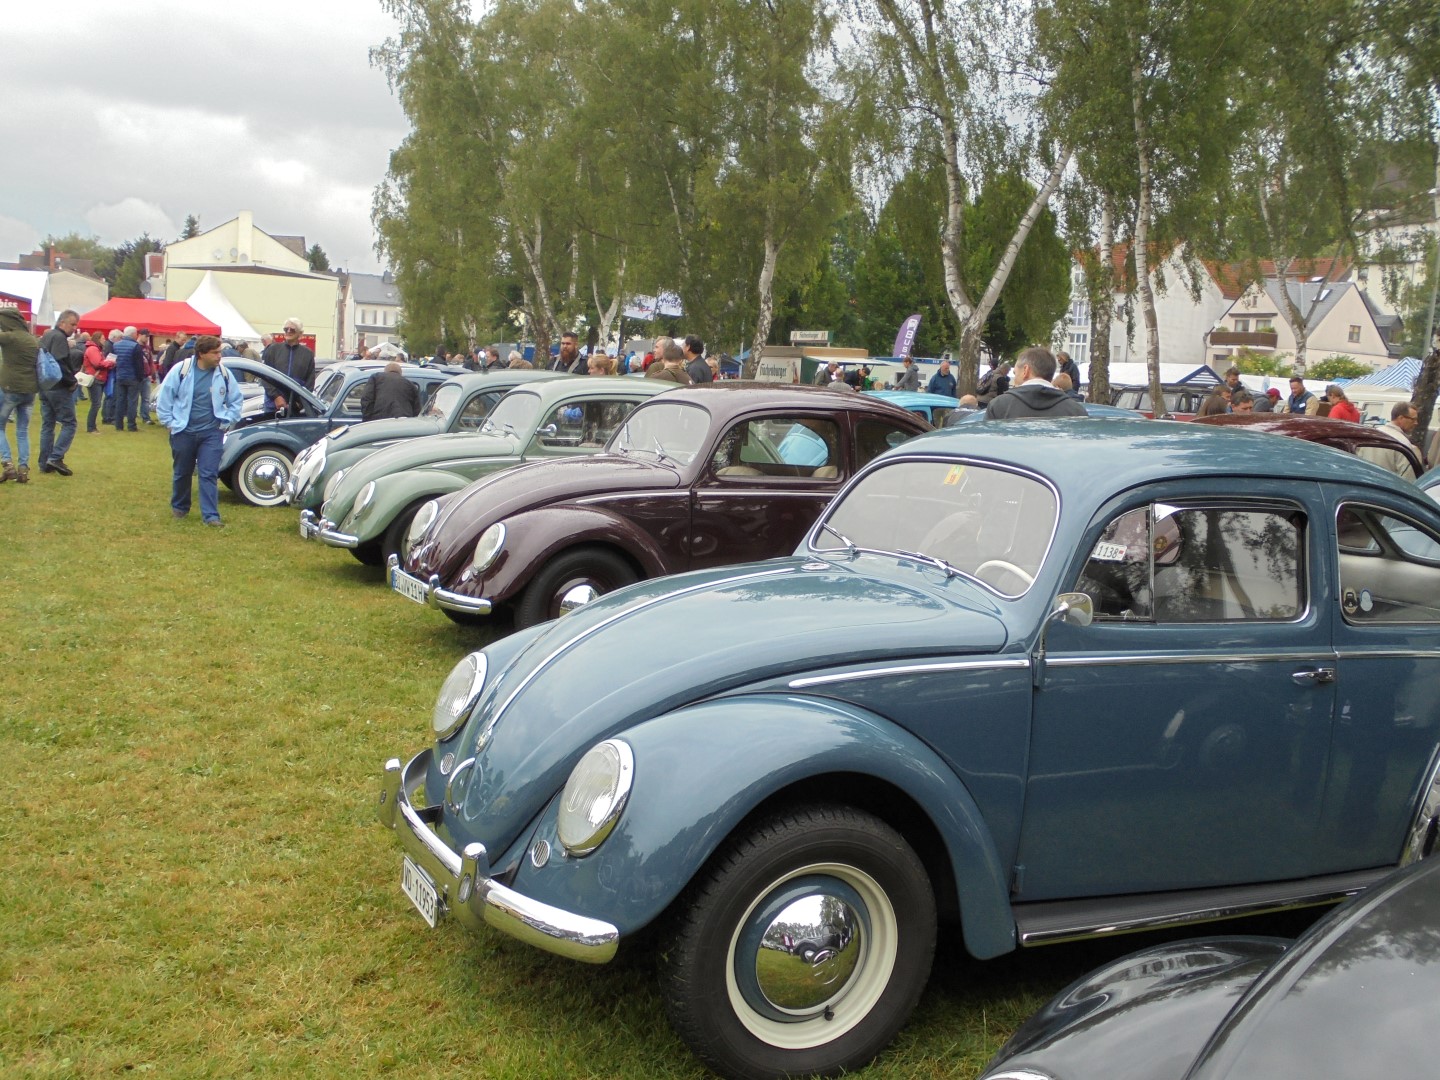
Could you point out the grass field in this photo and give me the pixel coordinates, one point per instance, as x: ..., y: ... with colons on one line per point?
x: 192, y: 728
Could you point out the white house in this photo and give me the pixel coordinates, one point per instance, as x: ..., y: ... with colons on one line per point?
x: 1342, y: 321
x: 370, y: 310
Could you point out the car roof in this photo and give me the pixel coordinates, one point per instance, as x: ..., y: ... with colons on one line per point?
x: 571, y: 385
x: 732, y: 396
x: 512, y: 376
x: 914, y: 397
x: 1340, y: 434
x: 1072, y: 452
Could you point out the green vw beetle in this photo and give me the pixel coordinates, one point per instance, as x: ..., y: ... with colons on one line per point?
x: 368, y: 507
x: 460, y: 404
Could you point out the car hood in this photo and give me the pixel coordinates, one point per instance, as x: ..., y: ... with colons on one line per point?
x: 559, y: 695
x: 373, y: 431
x: 470, y: 511
x: 416, y: 454
x: 1142, y: 1017
x: 293, y: 388
x: 1354, y: 997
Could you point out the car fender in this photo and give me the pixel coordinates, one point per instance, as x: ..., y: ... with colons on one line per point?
x: 395, y: 492
x: 242, y: 441
x: 700, y: 770
x: 534, y: 537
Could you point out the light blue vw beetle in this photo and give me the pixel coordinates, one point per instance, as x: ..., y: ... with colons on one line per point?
x: 1043, y: 679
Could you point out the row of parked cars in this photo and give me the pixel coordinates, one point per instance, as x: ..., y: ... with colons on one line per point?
x: 1036, y: 681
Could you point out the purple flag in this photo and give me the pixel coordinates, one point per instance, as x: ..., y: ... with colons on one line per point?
x: 905, y: 339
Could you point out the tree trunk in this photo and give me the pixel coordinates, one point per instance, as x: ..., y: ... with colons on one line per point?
x: 767, y: 301
x: 1426, y: 388
x: 1102, y: 310
x: 532, y: 253
x: 607, y: 314
x: 1142, y: 239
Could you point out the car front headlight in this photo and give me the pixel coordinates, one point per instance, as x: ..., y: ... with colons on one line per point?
x: 424, y: 518
x: 595, y: 796
x: 488, y: 547
x: 364, y: 499
x: 333, y: 485
x: 458, y: 695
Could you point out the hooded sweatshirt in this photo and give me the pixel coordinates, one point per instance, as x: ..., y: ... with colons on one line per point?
x: 1035, y: 398
x: 18, y: 352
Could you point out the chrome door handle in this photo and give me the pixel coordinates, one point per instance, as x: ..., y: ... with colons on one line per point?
x: 1315, y: 676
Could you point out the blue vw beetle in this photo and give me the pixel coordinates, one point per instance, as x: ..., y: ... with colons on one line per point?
x: 1043, y: 679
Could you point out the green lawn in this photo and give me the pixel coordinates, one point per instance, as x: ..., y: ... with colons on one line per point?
x: 193, y: 724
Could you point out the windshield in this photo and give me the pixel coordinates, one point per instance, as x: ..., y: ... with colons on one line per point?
x: 445, y: 400
x: 671, y: 431
x: 987, y: 523
x: 516, y: 411
x: 329, y: 388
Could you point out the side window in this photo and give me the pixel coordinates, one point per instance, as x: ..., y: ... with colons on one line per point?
x: 1174, y: 564
x: 583, y: 423
x: 350, y: 404
x: 873, y: 438
x: 779, y: 447
x: 1389, y: 568
x: 475, y: 411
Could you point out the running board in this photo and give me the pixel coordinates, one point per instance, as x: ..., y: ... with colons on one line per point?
x: 1053, y: 921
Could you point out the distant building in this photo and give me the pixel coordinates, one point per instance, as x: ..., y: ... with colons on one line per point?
x: 370, y: 310
x: 265, y: 278
x: 1342, y: 319
x: 46, y: 293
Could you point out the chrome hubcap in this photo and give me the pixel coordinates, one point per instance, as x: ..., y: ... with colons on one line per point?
x: 577, y: 596
x: 268, y: 478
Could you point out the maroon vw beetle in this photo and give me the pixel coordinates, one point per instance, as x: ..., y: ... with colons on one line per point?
x: 697, y: 477
x: 1340, y: 434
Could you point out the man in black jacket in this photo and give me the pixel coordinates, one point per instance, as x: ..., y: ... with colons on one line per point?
x: 57, y: 405
x: 293, y: 357
x: 1033, y: 395
x: 388, y: 394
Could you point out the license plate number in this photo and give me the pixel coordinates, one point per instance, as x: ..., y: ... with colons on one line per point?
x: 416, y: 885
x: 407, y: 586
x: 304, y: 529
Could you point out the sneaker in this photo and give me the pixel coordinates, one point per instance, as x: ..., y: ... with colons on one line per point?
x: 150, y: 422
x: 7, y: 472
x: 23, y: 476
x: 216, y: 523
x: 178, y: 514
x: 61, y: 468
x: 45, y: 466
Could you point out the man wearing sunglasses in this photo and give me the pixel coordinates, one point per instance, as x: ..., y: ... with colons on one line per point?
x: 291, y: 356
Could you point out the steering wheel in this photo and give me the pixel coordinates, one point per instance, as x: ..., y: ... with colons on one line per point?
x: 1003, y: 565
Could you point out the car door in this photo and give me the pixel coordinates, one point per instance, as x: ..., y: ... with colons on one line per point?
x: 766, y: 481
x: 1180, y: 740
x: 1387, y: 643
x: 579, y: 426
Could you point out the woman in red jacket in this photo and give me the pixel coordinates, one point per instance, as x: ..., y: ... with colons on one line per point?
x: 97, y: 365
x: 1341, y: 408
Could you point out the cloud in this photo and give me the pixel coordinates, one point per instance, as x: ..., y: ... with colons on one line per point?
x: 114, y: 223
x: 17, y: 238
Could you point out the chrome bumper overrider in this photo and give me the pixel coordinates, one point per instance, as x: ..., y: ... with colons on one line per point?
x: 437, y: 597
x: 317, y: 528
x: 464, y: 883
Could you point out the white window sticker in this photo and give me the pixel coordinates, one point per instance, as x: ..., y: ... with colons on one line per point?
x: 1105, y: 552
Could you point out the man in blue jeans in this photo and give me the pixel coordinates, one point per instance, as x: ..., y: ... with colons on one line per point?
x: 57, y: 405
x: 199, y: 401
x: 128, y: 374
x: 18, y: 387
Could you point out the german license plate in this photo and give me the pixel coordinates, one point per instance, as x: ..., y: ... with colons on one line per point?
x: 409, y: 587
x: 415, y: 884
x: 304, y: 529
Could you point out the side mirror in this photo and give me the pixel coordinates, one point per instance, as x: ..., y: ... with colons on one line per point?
x: 1075, y: 608
x: 549, y: 431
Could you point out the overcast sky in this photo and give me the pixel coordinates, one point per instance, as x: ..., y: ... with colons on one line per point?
x: 124, y: 116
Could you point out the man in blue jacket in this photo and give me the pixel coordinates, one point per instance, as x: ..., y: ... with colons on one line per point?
x: 199, y: 401
x: 942, y: 382
x: 128, y: 374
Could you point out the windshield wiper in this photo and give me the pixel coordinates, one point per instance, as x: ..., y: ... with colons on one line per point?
x: 850, y: 548
x: 660, y: 454
x: 930, y: 560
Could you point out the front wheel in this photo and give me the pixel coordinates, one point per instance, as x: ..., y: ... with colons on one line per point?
x: 803, y: 948
x: 570, y: 580
x: 261, y: 474
x: 393, y: 542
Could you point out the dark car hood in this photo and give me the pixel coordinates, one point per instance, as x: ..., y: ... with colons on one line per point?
x: 1355, y: 997
x: 471, y: 510
x: 293, y: 388
x: 761, y: 621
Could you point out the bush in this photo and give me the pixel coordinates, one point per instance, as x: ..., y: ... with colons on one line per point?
x: 1338, y: 367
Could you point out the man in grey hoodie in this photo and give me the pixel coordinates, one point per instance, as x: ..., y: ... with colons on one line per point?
x: 1033, y: 395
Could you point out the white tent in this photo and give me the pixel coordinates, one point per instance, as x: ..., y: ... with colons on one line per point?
x: 209, y: 299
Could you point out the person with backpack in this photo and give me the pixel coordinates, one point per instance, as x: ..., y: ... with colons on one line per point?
x: 19, y: 384
x: 57, y: 404
x: 199, y: 401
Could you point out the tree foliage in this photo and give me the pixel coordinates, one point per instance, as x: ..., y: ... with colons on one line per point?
x: 1338, y: 366
x: 318, y: 260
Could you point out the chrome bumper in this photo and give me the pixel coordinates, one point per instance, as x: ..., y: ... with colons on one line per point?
x: 313, y: 527
x: 437, y: 597
x: 463, y: 881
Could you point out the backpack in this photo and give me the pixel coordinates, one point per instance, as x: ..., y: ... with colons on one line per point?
x: 47, y: 370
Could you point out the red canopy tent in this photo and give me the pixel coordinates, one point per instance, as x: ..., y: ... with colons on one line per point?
x: 157, y: 316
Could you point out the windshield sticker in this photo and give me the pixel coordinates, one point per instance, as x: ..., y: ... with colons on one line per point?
x: 1109, y: 552
x: 953, y: 476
